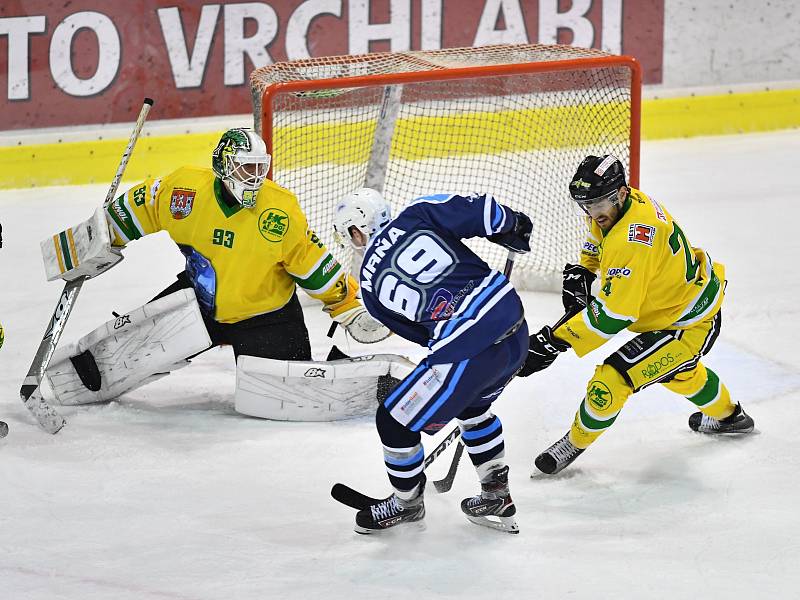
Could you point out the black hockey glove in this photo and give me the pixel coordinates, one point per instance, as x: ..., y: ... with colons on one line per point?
x: 576, y: 291
x: 543, y: 348
x: 518, y: 238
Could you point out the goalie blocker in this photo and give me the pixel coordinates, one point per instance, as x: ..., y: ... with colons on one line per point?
x: 80, y: 251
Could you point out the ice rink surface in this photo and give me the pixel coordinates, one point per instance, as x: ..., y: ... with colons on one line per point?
x: 169, y: 494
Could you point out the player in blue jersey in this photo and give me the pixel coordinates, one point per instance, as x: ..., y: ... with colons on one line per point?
x: 420, y: 280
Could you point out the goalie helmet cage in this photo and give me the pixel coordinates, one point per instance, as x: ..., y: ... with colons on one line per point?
x: 511, y: 120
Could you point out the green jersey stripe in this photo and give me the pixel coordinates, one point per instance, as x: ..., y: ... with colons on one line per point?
x: 589, y: 422
x: 705, y: 302
x: 322, y: 277
x: 709, y: 391
x: 122, y: 219
x: 126, y: 204
x: 602, y: 321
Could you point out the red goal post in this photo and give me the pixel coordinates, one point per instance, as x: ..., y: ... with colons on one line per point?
x: 511, y: 120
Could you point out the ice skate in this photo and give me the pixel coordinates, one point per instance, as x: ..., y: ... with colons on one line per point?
x: 391, y: 512
x: 738, y: 422
x: 494, y: 501
x: 558, y: 456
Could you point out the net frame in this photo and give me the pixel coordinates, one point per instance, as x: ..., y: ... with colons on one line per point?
x: 440, y: 66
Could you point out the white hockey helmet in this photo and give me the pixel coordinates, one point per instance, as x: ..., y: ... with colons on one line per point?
x: 366, y: 210
x: 241, y: 161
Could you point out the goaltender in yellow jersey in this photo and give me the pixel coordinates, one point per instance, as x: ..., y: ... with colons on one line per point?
x: 247, y: 261
x: 247, y: 246
x: 652, y: 282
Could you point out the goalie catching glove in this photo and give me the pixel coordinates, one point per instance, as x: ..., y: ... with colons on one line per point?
x: 517, y: 239
x: 543, y: 349
x: 361, y: 326
x: 345, y: 308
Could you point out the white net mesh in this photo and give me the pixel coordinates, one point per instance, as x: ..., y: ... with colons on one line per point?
x: 514, y: 131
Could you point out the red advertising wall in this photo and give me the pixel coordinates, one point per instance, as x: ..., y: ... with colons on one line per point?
x: 92, y: 61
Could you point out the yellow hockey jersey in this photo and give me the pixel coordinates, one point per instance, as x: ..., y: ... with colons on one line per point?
x: 651, y: 278
x: 243, y: 262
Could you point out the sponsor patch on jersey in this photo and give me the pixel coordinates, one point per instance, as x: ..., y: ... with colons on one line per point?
x: 409, y: 406
x: 441, y: 306
x: 659, y: 213
x: 154, y: 190
x: 180, y: 205
x: 642, y: 234
x: 590, y: 247
x: 658, y: 365
x: 432, y: 379
x: 273, y: 224
x: 619, y: 272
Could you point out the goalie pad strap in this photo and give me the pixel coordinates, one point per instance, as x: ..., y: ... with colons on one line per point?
x: 129, y: 351
x: 314, y: 391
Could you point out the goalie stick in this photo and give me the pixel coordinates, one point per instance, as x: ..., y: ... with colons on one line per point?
x: 30, y: 393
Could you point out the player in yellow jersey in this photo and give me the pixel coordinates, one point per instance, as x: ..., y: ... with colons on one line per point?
x: 247, y: 247
x: 652, y: 282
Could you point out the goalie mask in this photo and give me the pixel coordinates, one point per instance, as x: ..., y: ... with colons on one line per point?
x: 366, y: 210
x: 241, y: 161
x: 595, y: 185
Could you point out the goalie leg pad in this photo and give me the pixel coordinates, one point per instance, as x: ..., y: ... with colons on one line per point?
x: 129, y: 351
x: 314, y: 391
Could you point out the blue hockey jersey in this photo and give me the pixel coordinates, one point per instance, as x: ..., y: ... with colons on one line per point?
x: 420, y: 280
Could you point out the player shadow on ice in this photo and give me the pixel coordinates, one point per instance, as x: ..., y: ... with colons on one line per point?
x: 538, y: 476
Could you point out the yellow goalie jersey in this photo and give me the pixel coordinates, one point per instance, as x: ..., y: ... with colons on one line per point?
x: 243, y: 261
x: 651, y: 278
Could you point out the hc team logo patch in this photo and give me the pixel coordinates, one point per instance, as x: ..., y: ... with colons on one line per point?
x: 273, y: 224
x: 643, y: 234
x: 599, y: 396
x: 180, y: 205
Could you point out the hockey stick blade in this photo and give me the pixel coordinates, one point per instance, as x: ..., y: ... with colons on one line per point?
x: 353, y: 498
x: 446, y: 483
x: 30, y: 393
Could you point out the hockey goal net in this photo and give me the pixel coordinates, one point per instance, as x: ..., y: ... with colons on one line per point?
x: 511, y: 120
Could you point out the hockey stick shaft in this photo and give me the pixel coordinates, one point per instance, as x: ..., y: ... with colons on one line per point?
x: 443, y: 485
x: 353, y: 498
x: 30, y: 393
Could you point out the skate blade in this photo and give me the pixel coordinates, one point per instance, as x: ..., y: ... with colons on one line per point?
x: 413, y: 526
x: 507, y: 524
x: 730, y: 432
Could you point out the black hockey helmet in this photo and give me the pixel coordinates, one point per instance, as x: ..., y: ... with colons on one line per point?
x: 597, y: 177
